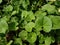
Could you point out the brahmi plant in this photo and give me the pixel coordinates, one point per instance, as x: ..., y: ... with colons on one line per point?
x: 29, y: 22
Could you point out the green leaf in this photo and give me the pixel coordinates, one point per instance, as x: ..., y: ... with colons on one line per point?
x: 47, y: 24
x: 38, y: 24
x: 2, y: 41
x: 6, y: 18
x: 24, y: 3
x: 3, y: 26
x: 41, y: 38
x: 30, y: 16
x: 0, y: 1
x: 13, y: 24
x: 39, y: 21
x: 24, y: 14
x: 52, y: 39
x: 14, y: 19
x: 14, y: 12
x: 32, y: 37
x: 8, y: 8
x: 29, y: 26
x: 15, y: 2
x: 10, y: 42
x: 47, y: 40
x: 40, y: 13
x: 55, y: 21
x: 18, y: 41
x: 37, y: 32
x: 57, y: 3
x: 23, y: 34
x: 49, y: 8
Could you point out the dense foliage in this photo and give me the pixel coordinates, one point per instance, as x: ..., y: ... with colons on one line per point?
x: 29, y: 22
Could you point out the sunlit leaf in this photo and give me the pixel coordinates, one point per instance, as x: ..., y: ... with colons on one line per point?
x: 29, y: 26
x: 32, y: 37
x: 3, y: 26
x: 47, y: 24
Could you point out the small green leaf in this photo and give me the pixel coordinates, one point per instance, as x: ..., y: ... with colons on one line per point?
x: 10, y: 42
x: 49, y: 8
x: 13, y: 25
x: 41, y: 38
x: 47, y: 40
x: 30, y: 16
x: 38, y: 24
x: 24, y: 3
x: 24, y: 14
x: 18, y: 41
x: 14, y: 12
x: 8, y: 8
x: 29, y: 26
x: 57, y: 3
x: 47, y: 24
x: 40, y: 13
x: 2, y: 41
x: 32, y: 37
x: 3, y: 26
x: 37, y: 32
x: 39, y: 21
x: 23, y: 34
x: 55, y: 21
x: 0, y: 1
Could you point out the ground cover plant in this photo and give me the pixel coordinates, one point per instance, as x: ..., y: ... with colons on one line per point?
x: 29, y: 22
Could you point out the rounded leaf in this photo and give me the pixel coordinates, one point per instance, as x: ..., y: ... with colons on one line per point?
x: 29, y: 26
x: 32, y: 37
x: 23, y: 34
x: 47, y: 24
x: 8, y: 8
x: 3, y: 26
